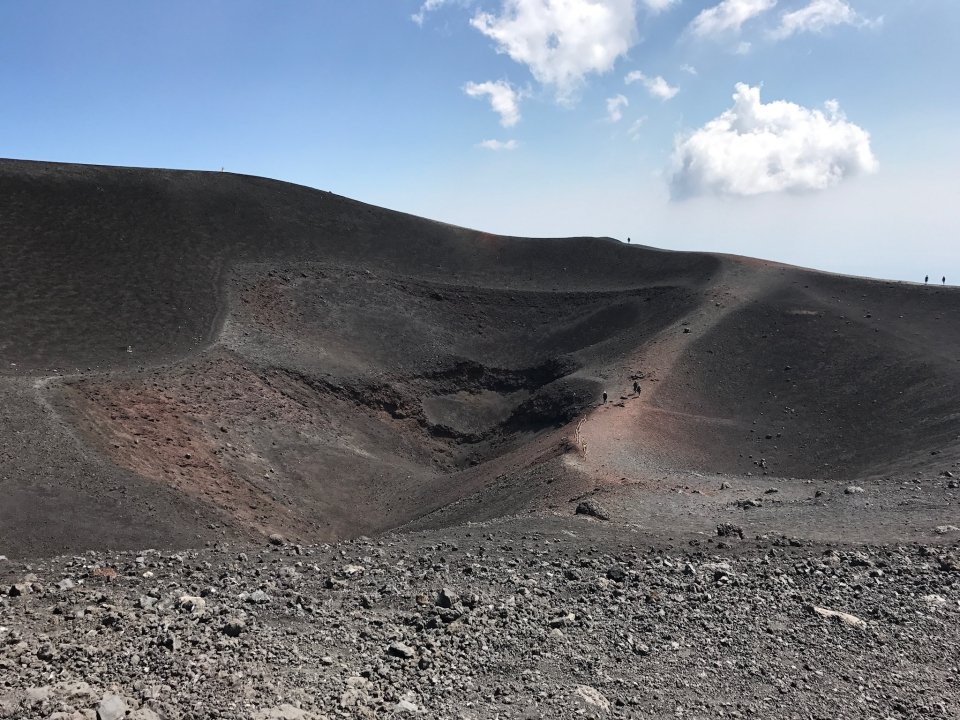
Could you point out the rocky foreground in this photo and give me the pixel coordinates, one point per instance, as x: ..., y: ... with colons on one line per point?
x: 540, y: 617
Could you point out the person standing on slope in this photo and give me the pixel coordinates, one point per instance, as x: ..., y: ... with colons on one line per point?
x: 926, y: 279
x: 944, y: 279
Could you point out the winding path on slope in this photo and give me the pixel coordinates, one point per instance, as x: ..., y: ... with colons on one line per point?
x: 611, y: 432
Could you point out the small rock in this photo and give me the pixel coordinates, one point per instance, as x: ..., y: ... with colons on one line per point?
x: 401, y: 650
x: 38, y: 695
x: 616, y: 574
x: 112, y: 707
x: 196, y: 606
x: 258, y: 597
x: 853, y: 490
x: 593, y: 509
x: 169, y: 641
x: 729, y: 530
x: 352, y: 571
x: 946, y: 529
x: 18, y: 589
x: 949, y: 563
x: 592, y: 699
x: 356, y: 693
x: 65, y: 584
x: 845, y: 618
x: 447, y: 598
x: 276, y: 539
x: 145, y: 602
x: 233, y: 627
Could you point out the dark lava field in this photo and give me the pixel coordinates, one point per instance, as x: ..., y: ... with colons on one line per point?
x: 274, y: 454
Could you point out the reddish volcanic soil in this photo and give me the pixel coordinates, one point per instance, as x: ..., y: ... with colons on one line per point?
x: 189, y: 356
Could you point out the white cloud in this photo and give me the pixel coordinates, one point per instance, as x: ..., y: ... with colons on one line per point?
x: 634, y: 132
x: 428, y: 6
x: 688, y: 69
x: 562, y: 41
x: 656, y: 86
x: 727, y: 17
x: 504, y: 100
x: 754, y: 148
x: 615, y: 106
x: 818, y: 16
x: 498, y: 145
x: 656, y: 6
x: 743, y: 48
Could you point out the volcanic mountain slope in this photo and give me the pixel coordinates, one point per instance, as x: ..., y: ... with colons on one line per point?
x: 188, y: 355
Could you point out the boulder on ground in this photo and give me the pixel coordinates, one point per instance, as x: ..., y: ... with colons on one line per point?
x: 112, y: 707
x: 845, y: 618
x: 594, y: 509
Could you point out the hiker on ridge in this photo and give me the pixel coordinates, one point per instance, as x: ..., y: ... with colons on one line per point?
x: 604, y: 395
x: 926, y: 279
x: 944, y: 279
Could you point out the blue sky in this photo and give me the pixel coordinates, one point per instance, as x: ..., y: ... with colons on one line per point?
x: 531, y: 117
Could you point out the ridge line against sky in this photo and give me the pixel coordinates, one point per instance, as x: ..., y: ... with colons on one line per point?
x: 815, y: 132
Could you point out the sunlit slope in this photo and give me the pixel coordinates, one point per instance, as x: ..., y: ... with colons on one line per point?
x: 98, y: 259
x: 825, y: 376
x: 187, y: 356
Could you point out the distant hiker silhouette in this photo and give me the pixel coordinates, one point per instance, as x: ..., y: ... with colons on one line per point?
x: 604, y: 396
x: 628, y: 241
x: 944, y: 279
x: 926, y: 279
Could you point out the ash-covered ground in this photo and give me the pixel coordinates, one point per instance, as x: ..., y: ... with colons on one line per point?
x: 198, y: 362
x: 542, y: 616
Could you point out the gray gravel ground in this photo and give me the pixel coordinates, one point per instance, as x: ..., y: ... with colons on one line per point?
x: 536, y: 617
